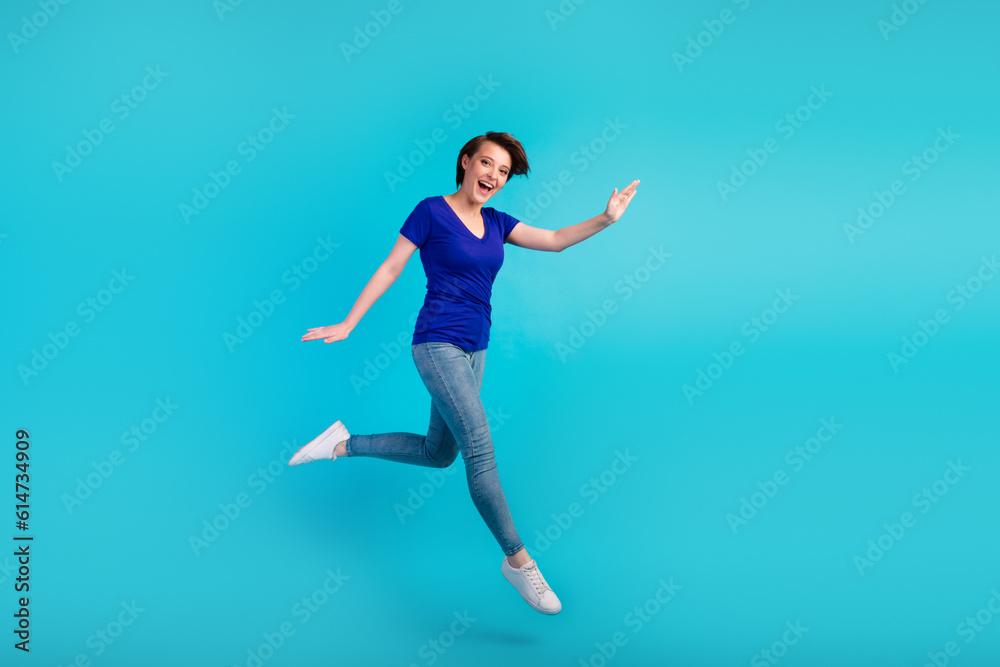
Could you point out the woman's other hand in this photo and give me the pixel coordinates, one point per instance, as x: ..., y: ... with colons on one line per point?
x: 619, y: 202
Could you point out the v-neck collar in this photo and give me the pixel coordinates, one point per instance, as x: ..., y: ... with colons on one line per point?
x: 486, y: 226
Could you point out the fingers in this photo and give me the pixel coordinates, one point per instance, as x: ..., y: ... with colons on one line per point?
x: 314, y: 333
x: 628, y: 190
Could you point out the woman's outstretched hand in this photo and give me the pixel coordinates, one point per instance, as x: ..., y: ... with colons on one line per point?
x: 619, y: 202
x: 329, y: 334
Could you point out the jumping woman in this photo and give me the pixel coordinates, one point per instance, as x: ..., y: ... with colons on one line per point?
x: 461, y: 248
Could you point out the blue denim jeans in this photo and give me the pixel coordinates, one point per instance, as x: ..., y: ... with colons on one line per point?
x: 454, y: 378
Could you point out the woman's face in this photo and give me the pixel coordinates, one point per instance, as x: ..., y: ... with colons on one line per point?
x: 491, y: 165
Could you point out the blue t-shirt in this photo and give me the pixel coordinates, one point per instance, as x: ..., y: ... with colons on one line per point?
x: 460, y: 270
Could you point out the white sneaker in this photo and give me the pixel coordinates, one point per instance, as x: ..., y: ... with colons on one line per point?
x: 322, y: 446
x: 530, y: 583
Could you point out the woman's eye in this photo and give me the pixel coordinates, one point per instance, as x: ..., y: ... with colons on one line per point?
x: 486, y: 162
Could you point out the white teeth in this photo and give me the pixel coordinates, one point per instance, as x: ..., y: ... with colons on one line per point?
x: 486, y: 186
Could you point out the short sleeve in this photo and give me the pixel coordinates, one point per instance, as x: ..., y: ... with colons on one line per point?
x: 508, y: 223
x: 417, y: 227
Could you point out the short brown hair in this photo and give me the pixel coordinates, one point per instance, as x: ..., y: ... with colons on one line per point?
x: 518, y: 158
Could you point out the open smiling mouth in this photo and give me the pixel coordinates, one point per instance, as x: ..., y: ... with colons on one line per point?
x: 485, y: 188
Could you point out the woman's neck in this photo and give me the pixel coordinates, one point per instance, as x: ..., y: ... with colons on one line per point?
x: 464, y: 206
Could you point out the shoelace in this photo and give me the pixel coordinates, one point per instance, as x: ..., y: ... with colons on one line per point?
x: 536, y: 579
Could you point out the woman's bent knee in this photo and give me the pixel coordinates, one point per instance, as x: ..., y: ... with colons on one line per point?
x: 446, y: 461
x: 444, y: 457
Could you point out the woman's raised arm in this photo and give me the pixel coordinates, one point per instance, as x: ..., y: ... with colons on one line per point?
x: 557, y: 240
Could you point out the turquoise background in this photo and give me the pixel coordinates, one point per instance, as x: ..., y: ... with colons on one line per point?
x: 559, y: 420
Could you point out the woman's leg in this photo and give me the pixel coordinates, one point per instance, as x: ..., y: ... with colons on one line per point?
x: 438, y: 449
x: 453, y: 377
